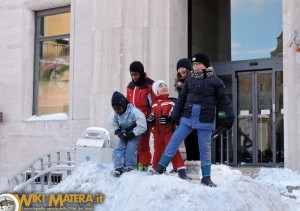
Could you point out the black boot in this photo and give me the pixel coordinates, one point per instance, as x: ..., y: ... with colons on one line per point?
x: 182, y: 173
x: 128, y: 168
x: 207, y: 181
x: 117, y: 172
x: 160, y: 169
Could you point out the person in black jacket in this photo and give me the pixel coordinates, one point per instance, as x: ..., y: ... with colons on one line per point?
x: 184, y: 67
x: 196, y: 109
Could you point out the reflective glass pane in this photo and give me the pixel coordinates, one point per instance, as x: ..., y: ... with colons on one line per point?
x: 279, y: 117
x: 264, y: 118
x: 245, y: 119
x: 54, y: 77
x: 256, y: 29
x: 53, y: 25
x: 224, y: 144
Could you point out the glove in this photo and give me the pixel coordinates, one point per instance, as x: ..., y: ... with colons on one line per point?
x: 174, y: 121
x: 129, y: 136
x: 117, y: 131
x: 164, y: 119
x: 229, y: 122
x: 122, y: 134
x: 150, y: 118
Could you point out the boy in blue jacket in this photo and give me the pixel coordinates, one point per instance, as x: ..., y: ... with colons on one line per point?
x: 128, y: 123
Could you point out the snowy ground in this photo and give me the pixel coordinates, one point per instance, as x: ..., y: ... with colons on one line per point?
x: 139, y: 191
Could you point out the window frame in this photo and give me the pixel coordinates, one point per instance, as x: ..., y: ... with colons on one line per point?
x: 37, y: 40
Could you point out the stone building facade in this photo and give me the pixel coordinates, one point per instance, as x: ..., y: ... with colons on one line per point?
x: 105, y: 37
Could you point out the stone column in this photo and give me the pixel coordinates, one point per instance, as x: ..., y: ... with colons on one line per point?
x: 291, y: 86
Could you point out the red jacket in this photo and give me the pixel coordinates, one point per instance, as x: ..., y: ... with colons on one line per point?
x: 142, y: 96
x: 162, y: 107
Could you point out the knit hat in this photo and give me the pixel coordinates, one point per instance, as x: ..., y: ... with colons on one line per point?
x: 202, y: 58
x: 137, y: 66
x: 155, y: 86
x: 119, y: 99
x: 184, y: 62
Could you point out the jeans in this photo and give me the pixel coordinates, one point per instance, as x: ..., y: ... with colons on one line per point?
x: 125, y: 153
x: 204, y: 142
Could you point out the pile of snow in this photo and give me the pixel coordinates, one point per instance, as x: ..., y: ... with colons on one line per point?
x: 140, y: 191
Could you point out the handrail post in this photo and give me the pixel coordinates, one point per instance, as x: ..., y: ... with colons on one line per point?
x: 227, y: 147
x: 33, y: 188
x: 49, y: 160
x: 42, y: 178
x: 57, y: 158
x: 221, y: 151
x: 49, y: 180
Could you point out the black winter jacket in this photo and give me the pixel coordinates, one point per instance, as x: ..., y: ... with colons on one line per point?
x: 206, y: 92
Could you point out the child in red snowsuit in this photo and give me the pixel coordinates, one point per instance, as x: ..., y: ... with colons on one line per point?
x: 159, y: 119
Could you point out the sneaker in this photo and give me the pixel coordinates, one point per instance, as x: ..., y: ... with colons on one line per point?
x: 153, y: 172
x: 207, y: 181
x: 140, y: 166
x: 118, y: 172
x: 149, y: 169
x: 181, y: 172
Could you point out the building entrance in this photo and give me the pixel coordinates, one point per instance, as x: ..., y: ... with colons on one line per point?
x: 256, y: 90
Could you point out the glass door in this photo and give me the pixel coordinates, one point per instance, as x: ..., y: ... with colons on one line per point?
x: 260, y: 117
x: 264, y: 115
x: 245, y: 117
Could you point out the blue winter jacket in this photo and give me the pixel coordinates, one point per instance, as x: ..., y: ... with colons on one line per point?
x: 131, y: 118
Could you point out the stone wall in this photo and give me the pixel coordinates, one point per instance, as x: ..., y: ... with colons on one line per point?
x: 106, y: 36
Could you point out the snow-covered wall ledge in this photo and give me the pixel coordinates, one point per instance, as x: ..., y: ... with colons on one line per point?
x: 49, y: 117
x: 36, y: 5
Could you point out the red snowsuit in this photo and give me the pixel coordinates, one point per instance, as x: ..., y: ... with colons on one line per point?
x: 142, y: 97
x: 162, y: 133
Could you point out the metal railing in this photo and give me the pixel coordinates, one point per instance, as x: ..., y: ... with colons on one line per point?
x: 223, y: 135
x: 59, y: 160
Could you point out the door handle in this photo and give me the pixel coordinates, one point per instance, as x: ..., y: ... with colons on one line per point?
x: 273, y: 112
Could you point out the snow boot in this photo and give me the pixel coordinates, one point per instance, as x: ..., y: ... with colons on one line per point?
x: 117, y: 172
x: 160, y: 169
x: 128, y: 168
x: 192, y: 169
x: 207, y: 181
x: 182, y: 172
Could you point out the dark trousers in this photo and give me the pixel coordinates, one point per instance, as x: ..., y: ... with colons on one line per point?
x: 191, y: 146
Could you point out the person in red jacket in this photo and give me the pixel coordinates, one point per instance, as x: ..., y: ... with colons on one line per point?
x: 159, y: 119
x: 140, y: 94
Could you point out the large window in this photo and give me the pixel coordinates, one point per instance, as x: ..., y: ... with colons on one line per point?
x: 52, y: 59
